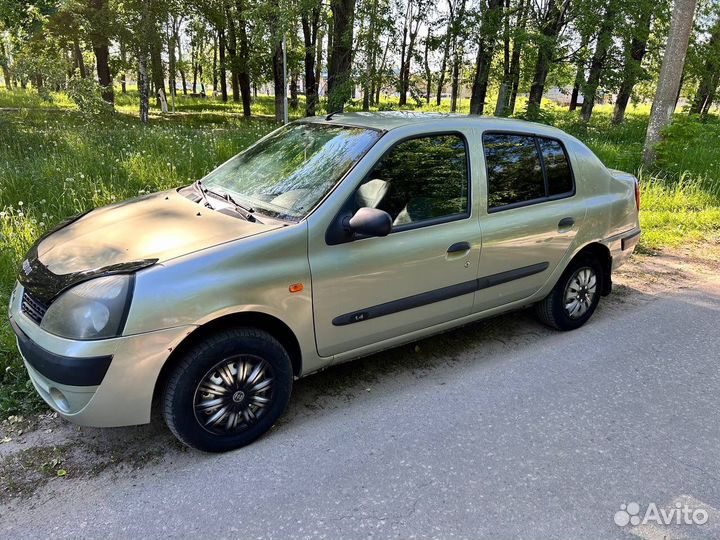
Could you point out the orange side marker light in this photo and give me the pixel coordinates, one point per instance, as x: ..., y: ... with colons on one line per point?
x: 296, y: 287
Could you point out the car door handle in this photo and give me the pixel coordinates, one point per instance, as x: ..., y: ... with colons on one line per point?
x: 459, y: 246
x: 566, y: 223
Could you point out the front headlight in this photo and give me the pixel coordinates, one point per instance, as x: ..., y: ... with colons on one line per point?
x: 94, y: 309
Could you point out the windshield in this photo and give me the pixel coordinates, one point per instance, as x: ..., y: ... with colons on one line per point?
x: 287, y: 173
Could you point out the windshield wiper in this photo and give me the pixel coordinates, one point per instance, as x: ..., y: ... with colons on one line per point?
x: 198, y: 186
x: 245, y: 211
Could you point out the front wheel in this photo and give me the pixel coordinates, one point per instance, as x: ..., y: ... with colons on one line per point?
x: 228, y: 390
x: 575, y: 296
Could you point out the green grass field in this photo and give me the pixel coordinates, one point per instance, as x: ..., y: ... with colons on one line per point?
x: 56, y: 162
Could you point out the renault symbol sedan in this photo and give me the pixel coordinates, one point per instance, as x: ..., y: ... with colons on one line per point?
x: 327, y: 240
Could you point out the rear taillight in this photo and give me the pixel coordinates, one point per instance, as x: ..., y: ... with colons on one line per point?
x: 637, y: 195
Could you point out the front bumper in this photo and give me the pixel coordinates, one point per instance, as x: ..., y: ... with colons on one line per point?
x: 100, y: 383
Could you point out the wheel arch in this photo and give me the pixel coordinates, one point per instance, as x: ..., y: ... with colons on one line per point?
x: 255, y: 319
x: 602, y: 254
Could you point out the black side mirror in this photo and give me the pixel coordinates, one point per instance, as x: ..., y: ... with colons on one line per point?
x: 370, y: 222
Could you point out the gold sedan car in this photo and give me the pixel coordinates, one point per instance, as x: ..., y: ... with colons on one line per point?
x: 329, y: 239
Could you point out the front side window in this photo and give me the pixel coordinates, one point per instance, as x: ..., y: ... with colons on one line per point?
x: 420, y: 179
x: 524, y: 168
x: 286, y: 174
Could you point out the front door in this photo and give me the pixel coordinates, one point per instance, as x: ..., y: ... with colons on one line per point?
x: 423, y: 273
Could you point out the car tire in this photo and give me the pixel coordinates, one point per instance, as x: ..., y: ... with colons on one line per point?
x: 227, y: 390
x: 575, y: 296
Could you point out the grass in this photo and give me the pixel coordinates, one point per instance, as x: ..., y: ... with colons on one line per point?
x: 56, y: 162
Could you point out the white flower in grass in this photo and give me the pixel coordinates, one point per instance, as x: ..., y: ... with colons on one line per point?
x: 20, y: 203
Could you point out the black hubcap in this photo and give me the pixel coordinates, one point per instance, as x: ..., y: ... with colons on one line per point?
x: 234, y: 394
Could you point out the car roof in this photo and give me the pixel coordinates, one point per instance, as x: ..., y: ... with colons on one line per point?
x: 388, y: 120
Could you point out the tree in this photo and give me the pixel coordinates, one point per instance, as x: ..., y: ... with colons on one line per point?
x: 709, y: 72
x: 671, y: 72
x: 414, y: 15
x: 550, y: 18
x: 489, y: 27
x: 518, y: 42
x: 340, y: 61
x: 633, y: 57
x: 99, y: 15
x: 458, y: 38
x: 599, y: 58
x: 447, y: 40
x: 310, y: 21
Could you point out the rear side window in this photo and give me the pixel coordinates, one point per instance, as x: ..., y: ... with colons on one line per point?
x: 525, y: 168
x: 557, y: 167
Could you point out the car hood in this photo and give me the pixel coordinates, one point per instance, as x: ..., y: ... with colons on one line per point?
x: 155, y: 227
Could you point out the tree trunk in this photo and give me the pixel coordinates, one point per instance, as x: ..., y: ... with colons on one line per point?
x: 310, y: 22
x: 102, y: 56
x: 339, y: 81
x: 490, y: 25
x: 318, y: 64
x: 215, y: 64
x: 5, y: 63
x: 671, y: 71
x: 597, y: 64
x: 505, y: 83
x: 181, y: 69
x: 457, y: 56
x: 428, y: 73
x: 552, y: 24
x: 405, y: 66
x: 294, y: 104
x: 579, y: 73
x: 6, y: 77
x: 221, y: 59
x: 446, y: 54
x: 705, y: 94
x: 101, y: 48
x: 382, y: 70
x: 371, y: 51
x: 278, y: 80
x: 242, y: 60
x: 518, y: 41
x: 79, y: 61
x: 172, y: 67
x: 232, y: 51
x: 143, y: 89
x: 195, y: 70
x: 123, y: 77
x: 158, y: 76
x: 633, y: 66
x: 579, y: 77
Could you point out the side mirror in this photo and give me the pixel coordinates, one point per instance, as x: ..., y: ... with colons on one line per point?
x: 370, y: 222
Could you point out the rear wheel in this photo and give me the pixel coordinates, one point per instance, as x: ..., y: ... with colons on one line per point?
x: 228, y: 390
x: 575, y: 296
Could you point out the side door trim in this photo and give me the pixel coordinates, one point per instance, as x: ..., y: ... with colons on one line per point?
x: 438, y: 295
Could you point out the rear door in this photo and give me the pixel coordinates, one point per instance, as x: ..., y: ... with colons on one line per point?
x: 530, y: 218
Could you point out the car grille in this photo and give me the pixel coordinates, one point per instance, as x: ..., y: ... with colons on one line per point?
x: 33, y: 308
